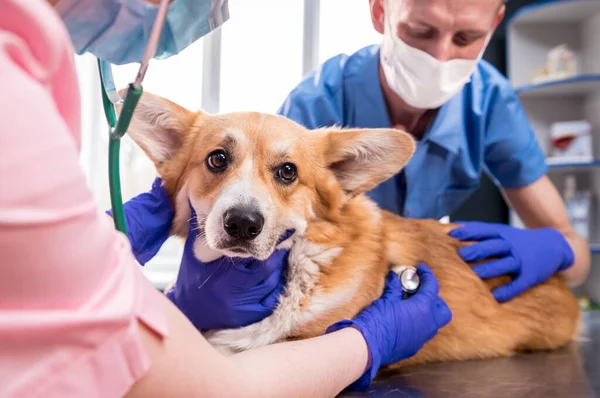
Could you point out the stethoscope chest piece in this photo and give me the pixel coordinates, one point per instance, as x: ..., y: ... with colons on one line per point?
x: 410, y: 281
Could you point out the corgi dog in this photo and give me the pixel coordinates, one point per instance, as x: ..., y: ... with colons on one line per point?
x: 250, y: 177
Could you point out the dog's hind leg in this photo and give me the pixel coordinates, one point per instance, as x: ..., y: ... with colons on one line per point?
x: 550, y: 313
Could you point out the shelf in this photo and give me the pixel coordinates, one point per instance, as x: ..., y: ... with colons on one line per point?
x: 557, y: 11
x: 573, y: 165
x: 573, y: 86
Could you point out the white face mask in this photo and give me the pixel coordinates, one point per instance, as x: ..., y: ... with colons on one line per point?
x: 418, y: 78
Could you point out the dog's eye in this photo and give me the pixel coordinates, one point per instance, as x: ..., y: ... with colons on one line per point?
x: 217, y: 161
x: 287, y: 173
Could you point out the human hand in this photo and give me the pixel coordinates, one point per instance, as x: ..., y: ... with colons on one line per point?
x: 531, y: 255
x: 149, y: 217
x: 227, y: 292
x: 397, y: 329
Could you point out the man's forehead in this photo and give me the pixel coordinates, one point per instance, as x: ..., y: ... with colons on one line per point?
x: 458, y: 14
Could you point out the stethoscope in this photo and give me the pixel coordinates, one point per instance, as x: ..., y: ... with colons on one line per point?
x: 410, y: 281
x: 118, y: 127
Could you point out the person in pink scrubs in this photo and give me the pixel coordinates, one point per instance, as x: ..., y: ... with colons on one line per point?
x: 77, y: 316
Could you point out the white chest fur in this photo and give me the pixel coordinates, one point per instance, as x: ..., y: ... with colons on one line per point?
x: 304, y: 262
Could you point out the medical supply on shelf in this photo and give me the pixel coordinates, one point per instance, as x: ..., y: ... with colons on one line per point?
x: 560, y: 64
x: 578, y: 206
x: 571, y: 141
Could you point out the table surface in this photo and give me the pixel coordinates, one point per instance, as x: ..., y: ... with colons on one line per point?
x: 570, y: 372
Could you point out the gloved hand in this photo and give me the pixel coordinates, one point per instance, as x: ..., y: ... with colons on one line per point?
x: 397, y: 329
x: 149, y: 217
x: 227, y: 292
x: 531, y: 255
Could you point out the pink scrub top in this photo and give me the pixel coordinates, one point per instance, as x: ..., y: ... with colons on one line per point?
x: 71, y: 292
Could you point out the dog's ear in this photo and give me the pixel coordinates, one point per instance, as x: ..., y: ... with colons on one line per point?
x: 363, y: 158
x: 159, y: 126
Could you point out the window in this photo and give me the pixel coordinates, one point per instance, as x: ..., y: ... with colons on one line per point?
x: 261, y: 54
x: 345, y: 27
x: 178, y: 79
x: 251, y: 63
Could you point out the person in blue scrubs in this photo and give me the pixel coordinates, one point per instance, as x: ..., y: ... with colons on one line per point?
x: 427, y: 77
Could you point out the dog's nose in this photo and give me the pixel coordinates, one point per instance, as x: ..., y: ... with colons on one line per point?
x: 243, y: 223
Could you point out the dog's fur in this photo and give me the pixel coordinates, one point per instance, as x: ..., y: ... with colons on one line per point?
x: 344, y: 245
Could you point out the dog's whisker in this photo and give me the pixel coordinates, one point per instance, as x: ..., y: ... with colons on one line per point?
x: 210, y: 195
x: 210, y: 276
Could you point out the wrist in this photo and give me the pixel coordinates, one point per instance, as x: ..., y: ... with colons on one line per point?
x: 373, y: 357
x: 558, y: 240
x: 369, y: 364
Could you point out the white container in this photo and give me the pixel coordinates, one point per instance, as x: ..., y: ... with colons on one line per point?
x: 560, y: 64
x: 578, y: 207
x: 571, y: 141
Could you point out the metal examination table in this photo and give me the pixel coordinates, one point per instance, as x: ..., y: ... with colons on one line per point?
x: 571, y: 372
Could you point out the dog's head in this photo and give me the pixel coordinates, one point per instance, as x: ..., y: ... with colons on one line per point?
x: 251, y: 177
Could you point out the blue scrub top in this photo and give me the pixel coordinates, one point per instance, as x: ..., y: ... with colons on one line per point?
x: 482, y: 128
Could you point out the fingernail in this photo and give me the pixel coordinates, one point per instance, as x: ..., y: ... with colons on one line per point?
x: 269, y: 302
x: 455, y: 233
x: 284, y: 237
x: 423, y: 268
x: 500, y: 297
x: 465, y: 253
x: 480, y: 273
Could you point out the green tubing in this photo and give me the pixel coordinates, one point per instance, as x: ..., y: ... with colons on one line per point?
x: 132, y: 96
x: 109, y: 108
x: 114, y: 181
x: 117, y: 128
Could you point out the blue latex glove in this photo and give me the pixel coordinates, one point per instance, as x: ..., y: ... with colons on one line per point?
x: 227, y: 292
x: 530, y: 255
x: 149, y: 217
x: 397, y: 329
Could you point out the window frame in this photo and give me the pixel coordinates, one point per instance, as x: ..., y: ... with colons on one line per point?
x: 164, y: 266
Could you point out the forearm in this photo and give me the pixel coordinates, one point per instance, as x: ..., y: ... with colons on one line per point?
x: 319, y: 367
x: 184, y: 364
x: 540, y: 205
x: 578, y: 272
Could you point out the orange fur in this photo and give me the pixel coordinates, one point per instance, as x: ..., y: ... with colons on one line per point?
x: 329, y: 196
